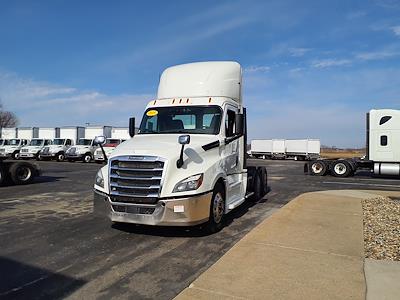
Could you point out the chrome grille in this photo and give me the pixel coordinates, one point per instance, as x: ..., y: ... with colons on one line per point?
x: 45, y: 150
x: 72, y: 151
x: 24, y: 150
x: 135, y: 179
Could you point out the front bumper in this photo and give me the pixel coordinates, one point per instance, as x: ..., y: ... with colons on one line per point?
x: 48, y: 155
x: 74, y: 156
x: 99, y: 158
x: 187, y: 211
x: 5, y: 154
x: 27, y: 155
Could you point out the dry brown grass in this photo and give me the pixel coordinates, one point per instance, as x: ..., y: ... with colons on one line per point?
x: 342, y: 154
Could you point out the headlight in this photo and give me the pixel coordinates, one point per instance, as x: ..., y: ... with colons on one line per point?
x: 99, y: 179
x: 189, y: 184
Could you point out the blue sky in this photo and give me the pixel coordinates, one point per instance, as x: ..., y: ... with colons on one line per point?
x: 311, y: 68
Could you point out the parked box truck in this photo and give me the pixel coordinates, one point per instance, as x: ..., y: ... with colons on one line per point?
x: 187, y: 164
x: 32, y: 150
x: 66, y: 137
x: 85, y: 148
x: 383, y: 149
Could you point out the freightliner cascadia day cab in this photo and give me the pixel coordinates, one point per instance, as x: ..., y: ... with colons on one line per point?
x: 383, y: 149
x: 187, y: 164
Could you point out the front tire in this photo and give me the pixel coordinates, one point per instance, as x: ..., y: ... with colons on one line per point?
x: 15, y: 155
x: 87, y: 158
x: 217, y: 210
x: 60, y: 156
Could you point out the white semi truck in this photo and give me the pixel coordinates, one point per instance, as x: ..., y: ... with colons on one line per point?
x: 85, y: 147
x: 383, y: 149
x: 187, y: 164
x: 65, y: 138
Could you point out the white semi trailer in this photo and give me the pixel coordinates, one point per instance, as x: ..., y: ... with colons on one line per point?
x: 300, y: 149
x: 66, y: 137
x: 383, y: 149
x: 85, y: 147
x: 187, y: 164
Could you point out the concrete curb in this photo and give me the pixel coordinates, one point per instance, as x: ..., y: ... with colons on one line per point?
x: 312, y: 248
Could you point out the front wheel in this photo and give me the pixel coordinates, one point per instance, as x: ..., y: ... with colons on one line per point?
x: 87, y: 158
x: 217, y: 210
x: 60, y: 157
x: 15, y: 155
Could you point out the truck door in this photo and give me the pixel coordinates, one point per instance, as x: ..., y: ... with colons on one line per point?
x: 231, y: 158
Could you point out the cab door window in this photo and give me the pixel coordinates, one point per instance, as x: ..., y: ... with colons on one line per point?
x: 230, y: 123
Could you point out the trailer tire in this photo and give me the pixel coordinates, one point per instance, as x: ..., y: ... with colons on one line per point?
x: 60, y: 156
x: 217, y: 210
x: 318, y: 168
x: 2, y: 175
x: 22, y: 173
x: 341, y: 168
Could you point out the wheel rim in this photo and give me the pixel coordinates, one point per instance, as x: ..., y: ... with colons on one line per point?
x: 317, y: 168
x: 61, y: 157
x: 218, y: 208
x: 23, y: 173
x: 87, y: 158
x: 16, y: 155
x: 340, y: 168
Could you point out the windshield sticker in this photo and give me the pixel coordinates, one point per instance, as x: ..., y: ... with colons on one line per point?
x: 152, y: 113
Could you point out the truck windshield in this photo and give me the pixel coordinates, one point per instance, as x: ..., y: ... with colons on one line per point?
x: 58, y: 142
x: 181, y: 119
x: 84, y: 142
x: 13, y: 142
x: 36, y: 143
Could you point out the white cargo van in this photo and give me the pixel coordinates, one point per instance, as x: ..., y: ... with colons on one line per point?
x: 187, y: 164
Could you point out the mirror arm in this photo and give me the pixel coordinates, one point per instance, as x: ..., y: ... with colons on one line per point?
x: 179, y: 162
x: 104, y: 153
x: 230, y: 139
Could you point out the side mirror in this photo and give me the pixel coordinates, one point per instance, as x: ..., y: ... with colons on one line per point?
x: 131, y: 127
x: 239, y: 125
x: 184, y: 139
x: 99, y: 140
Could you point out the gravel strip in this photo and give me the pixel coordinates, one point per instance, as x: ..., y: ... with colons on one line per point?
x: 382, y: 228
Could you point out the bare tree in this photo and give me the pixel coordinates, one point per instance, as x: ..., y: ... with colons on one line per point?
x: 7, y: 118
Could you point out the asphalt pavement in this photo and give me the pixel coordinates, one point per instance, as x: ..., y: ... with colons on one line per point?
x: 53, y: 247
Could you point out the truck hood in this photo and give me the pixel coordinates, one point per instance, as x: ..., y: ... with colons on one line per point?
x: 162, y: 145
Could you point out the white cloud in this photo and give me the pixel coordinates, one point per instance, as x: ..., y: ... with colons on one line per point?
x: 330, y: 62
x: 45, y: 104
x: 298, y: 52
x: 377, y: 55
x: 396, y: 30
x: 254, y: 69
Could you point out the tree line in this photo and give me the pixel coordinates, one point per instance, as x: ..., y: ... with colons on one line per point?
x: 7, y: 118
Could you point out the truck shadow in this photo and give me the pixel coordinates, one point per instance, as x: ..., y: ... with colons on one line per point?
x: 189, y: 232
x: 36, y: 180
x: 23, y: 281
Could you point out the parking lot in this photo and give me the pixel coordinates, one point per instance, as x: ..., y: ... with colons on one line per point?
x: 52, y: 246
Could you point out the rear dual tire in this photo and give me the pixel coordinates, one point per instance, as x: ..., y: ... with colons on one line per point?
x: 22, y: 173
x: 341, y: 168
